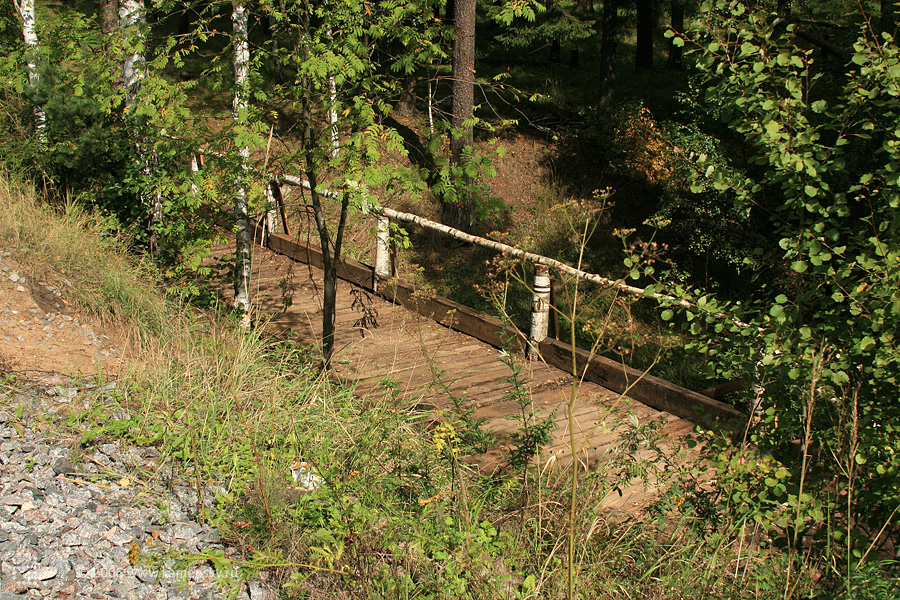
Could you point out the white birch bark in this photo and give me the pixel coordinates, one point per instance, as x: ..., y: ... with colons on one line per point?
x: 241, y: 212
x: 332, y: 114
x: 271, y: 213
x: 382, y: 252
x: 25, y: 9
x: 332, y: 109
x: 430, y: 105
x: 134, y: 70
x: 131, y: 20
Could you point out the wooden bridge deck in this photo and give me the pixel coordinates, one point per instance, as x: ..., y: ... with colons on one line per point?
x: 424, y: 360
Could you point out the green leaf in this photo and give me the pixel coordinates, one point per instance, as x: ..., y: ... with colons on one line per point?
x: 667, y: 315
x: 800, y: 266
x: 748, y: 48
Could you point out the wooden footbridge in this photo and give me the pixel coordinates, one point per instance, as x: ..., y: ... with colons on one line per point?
x: 428, y: 348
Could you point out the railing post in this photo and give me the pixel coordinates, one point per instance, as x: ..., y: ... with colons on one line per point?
x: 540, y: 310
x: 382, y: 251
x: 196, y: 163
x: 271, y: 214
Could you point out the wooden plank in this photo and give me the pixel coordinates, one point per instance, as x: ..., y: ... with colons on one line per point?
x: 434, y: 349
x: 404, y: 358
x: 646, y: 388
x: 455, y: 316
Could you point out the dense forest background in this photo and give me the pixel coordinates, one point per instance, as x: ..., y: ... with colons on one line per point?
x: 741, y: 157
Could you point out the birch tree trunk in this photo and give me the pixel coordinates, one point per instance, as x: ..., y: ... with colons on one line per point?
x: 332, y: 108
x: 134, y: 71
x: 26, y: 11
x: 241, y: 211
x: 131, y: 20
x: 332, y: 115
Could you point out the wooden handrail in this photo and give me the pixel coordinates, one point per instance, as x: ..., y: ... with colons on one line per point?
x: 617, y: 284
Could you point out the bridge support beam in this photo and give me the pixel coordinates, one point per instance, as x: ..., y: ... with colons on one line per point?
x: 540, y: 311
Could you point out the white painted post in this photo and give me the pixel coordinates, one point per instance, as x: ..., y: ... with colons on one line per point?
x: 382, y: 251
x: 271, y: 212
x: 540, y: 310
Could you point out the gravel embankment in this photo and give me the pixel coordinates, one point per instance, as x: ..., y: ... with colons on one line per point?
x: 85, y: 523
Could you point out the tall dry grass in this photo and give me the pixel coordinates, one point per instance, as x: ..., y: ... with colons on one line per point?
x: 71, y: 248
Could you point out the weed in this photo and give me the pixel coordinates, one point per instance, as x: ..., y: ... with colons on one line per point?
x: 368, y: 314
x: 533, y: 434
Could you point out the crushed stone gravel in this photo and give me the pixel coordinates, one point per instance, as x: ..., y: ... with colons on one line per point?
x: 102, y: 522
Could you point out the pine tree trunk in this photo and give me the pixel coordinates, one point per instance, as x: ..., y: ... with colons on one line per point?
x: 609, y: 37
x: 460, y: 214
x: 676, y: 53
x: 241, y: 213
x: 643, y: 53
x: 109, y: 16
x: 29, y: 35
x: 406, y: 104
x: 276, y: 53
x: 555, y: 51
x: 184, y: 20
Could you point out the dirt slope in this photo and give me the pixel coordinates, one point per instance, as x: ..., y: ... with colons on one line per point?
x: 41, y: 332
